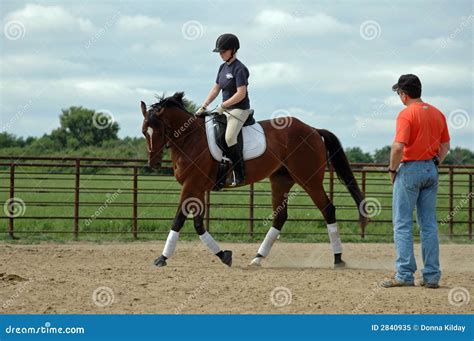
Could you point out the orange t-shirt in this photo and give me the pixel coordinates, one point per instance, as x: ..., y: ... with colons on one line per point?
x: 422, y: 128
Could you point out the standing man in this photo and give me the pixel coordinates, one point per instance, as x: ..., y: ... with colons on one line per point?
x: 421, y: 143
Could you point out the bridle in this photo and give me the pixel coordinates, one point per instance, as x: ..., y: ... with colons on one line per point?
x: 154, y: 118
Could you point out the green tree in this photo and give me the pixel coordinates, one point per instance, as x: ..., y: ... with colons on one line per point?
x: 85, y: 127
x: 356, y: 154
x: 459, y: 156
x: 382, y: 155
x: 9, y: 140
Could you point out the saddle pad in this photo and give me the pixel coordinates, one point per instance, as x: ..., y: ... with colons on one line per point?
x: 253, y: 136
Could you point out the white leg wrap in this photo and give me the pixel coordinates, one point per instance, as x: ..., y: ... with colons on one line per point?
x: 267, y: 243
x: 211, y: 244
x: 334, y: 238
x: 170, y: 245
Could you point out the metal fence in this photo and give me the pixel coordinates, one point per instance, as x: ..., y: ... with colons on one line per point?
x: 458, y: 181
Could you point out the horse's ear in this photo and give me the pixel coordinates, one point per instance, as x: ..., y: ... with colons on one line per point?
x: 143, y: 106
x: 179, y: 96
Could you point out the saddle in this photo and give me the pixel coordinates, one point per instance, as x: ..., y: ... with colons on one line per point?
x: 251, y: 141
x: 220, y: 125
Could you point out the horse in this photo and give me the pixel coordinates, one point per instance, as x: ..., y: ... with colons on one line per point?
x: 295, y: 153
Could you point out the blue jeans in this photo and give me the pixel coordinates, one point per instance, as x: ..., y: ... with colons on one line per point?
x: 416, y: 185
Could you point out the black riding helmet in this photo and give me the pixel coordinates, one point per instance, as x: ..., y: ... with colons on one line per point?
x: 227, y: 41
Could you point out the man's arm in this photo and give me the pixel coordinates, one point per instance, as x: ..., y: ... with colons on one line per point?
x: 396, y: 155
x: 443, y: 151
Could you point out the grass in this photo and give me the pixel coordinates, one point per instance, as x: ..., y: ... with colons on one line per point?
x: 106, y: 211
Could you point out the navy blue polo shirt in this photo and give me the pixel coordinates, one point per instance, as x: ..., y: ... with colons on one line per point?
x: 229, y: 78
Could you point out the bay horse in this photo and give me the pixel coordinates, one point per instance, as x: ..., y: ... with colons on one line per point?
x: 295, y: 153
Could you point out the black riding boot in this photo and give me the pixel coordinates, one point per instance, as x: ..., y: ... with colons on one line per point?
x: 238, y: 165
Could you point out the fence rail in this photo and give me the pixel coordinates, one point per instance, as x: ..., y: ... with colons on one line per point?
x: 85, y: 169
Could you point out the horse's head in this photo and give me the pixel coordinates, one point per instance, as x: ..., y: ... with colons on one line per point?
x: 156, y: 128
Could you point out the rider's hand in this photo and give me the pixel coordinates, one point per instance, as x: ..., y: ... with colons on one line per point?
x: 201, y: 110
x: 220, y: 109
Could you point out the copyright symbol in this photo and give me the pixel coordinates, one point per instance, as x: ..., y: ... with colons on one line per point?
x: 415, y: 327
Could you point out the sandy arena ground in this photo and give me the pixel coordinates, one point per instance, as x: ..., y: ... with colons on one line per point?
x: 296, y: 278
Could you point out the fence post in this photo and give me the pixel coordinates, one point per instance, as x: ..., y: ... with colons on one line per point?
x: 11, y: 202
x: 76, y: 197
x: 362, y: 228
x: 331, y: 183
x: 470, y: 206
x: 451, y: 216
x: 207, y: 213
x: 251, y: 212
x: 135, y: 203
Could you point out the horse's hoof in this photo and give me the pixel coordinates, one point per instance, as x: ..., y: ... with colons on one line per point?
x: 160, y: 262
x: 339, y: 265
x: 257, y: 262
x: 227, y: 258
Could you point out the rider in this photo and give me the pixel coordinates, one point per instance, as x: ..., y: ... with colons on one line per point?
x: 232, y: 79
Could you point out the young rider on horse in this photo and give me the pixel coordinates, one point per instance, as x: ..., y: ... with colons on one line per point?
x: 232, y: 79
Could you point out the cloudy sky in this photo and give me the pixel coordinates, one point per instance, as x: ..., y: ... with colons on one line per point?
x: 329, y: 63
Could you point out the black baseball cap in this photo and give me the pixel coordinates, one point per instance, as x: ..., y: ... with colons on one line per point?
x: 408, y: 83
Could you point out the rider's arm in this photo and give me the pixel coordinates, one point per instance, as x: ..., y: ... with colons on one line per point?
x: 238, y: 96
x: 212, y: 95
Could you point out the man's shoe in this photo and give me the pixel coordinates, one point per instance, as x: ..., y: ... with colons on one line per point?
x: 392, y: 283
x: 429, y: 285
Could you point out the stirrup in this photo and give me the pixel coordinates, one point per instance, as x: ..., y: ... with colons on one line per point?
x: 234, y: 182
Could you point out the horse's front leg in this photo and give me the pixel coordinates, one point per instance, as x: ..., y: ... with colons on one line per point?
x: 192, y: 205
x: 173, y: 237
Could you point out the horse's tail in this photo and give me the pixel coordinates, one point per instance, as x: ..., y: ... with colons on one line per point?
x: 344, y: 172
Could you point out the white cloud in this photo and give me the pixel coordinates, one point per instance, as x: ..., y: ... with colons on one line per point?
x: 38, y: 64
x: 436, y: 75
x: 393, y: 101
x: 297, y: 23
x: 368, y: 125
x: 274, y: 74
x: 38, y: 18
x: 139, y: 23
x: 438, y: 43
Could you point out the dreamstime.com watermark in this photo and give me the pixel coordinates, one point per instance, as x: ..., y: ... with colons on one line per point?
x: 111, y: 198
x: 363, y: 124
x: 198, y: 290
x: 20, y: 290
x: 281, y: 207
x: 192, y: 206
x: 14, y: 207
x: 369, y: 298
x: 458, y: 207
x: 459, y: 296
x: 281, y: 296
x: 465, y: 23
x: 192, y: 30
x: 46, y: 329
x: 103, y: 296
x: 177, y: 133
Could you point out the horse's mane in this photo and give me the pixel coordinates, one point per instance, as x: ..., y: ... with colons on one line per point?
x: 176, y: 100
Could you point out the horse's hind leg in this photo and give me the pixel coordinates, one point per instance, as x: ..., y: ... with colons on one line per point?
x: 281, y: 183
x: 224, y: 255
